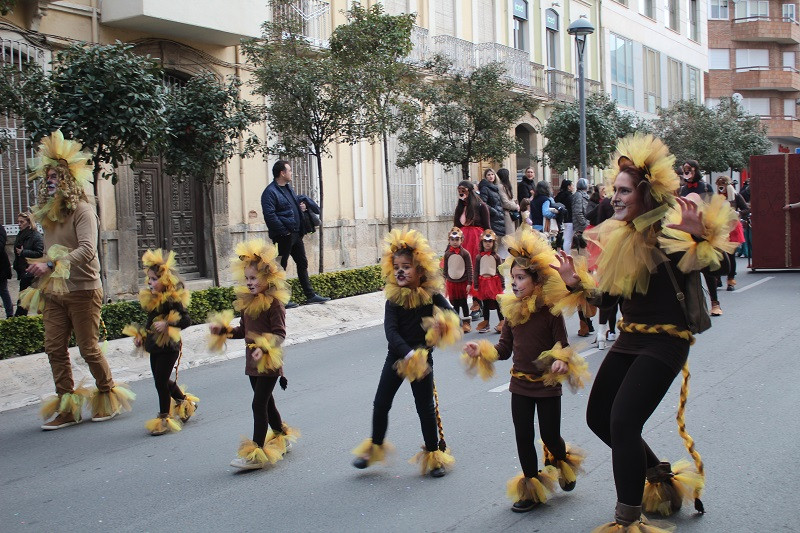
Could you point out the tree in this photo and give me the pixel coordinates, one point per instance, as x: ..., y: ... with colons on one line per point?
x: 105, y: 96
x: 371, y: 48
x: 310, y: 105
x: 605, y: 124
x: 456, y: 119
x: 205, y: 121
x: 743, y: 134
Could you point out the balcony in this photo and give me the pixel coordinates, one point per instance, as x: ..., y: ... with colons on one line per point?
x: 421, y: 50
x: 765, y: 78
x: 766, y: 29
x: 560, y: 85
x: 312, y: 17
x: 783, y: 127
x: 198, y: 20
x: 460, y: 52
x: 516, y: 62
x: 538, y: 80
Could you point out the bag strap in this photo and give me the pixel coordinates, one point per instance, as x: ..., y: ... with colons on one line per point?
x: 679, y: 294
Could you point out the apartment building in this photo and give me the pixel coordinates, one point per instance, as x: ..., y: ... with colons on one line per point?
x: 753, y: 56
x: 654, y: 52
x: 147, y: 208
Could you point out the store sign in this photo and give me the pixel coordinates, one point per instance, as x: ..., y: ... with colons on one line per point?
x: 551, y: 20
x: 521, y: 9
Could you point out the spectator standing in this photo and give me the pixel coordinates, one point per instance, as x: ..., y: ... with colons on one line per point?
x: 527, y: 185
x: 564, y: 196
x: 5, y: 274
x: 27, y: 245
x: 580, y: 208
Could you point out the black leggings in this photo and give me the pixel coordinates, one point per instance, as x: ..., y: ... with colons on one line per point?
x: 423, y: 398
x: 460, y: 304
x: 523, y: 409
x: 264, y: 410
x: 626, y: 391
x: 609, y: 316
x: 711, y: 283
x: 489, y: 305
x: 732, y: 263
x: 161, y: 364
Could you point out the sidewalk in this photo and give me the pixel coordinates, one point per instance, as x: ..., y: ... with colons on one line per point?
x: 26, y: 380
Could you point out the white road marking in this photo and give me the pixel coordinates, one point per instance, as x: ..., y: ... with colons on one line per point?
x: 759, y: 282
x: 584, y: 354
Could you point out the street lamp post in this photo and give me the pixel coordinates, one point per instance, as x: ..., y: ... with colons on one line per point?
x: 580, y: 29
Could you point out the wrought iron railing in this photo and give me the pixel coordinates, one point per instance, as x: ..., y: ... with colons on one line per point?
x: 561, y: 85
x: 311, y: 16
x: 460, y: 52
x: 516, y: 62
x: 421, y: 41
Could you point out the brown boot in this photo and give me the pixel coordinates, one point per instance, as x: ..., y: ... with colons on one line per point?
x: 466, y: 327
x: 716, y: 310
x: 63, y: 420
x: 476, y: 306
x: 499, y: 327
x: 483, y: 326
x: 731, y: 284
x: 583, y: 331
x: 626, y: 515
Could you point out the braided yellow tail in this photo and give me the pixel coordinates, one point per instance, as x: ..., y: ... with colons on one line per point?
x: 688, y: 441
x: 442, y: 443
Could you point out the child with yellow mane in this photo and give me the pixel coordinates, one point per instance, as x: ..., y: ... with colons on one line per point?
x: 542, y: 359
x: 414, y: 304
x: 166, y: 302
x: 261, y: 298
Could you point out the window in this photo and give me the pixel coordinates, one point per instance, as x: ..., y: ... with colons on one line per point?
x: 395, y: 7
x: 673, y: 20
x: 652, y: 80
x: 752, y: 59
x: 448, y: 183
x: 486, y: 21
x: 694, y: 84
x: 756, y: 106
x: 789, y: 61
x: 649, y: 9
x: 406, y: 184
x: 718, y: 9
x: 751, y: 10
x: 789, y: 13
x: 551, y: 22
x: 719, y: 59
x: 519, y: 34
x: 694, y: 27
x: 789, y: 108
x: 675, y: 80
x: 445, y: 17
x: 621, y: 60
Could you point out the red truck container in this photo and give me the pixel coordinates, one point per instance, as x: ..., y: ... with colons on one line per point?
x: 775, y: 182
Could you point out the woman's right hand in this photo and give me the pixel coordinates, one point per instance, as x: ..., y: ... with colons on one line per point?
x: 471, y: 349
x: 566, y: 269
x: 215, y: 330
x: 137, y: 342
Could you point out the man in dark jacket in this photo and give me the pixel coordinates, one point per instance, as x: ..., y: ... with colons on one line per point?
x: 564, y: 196
x: 283, y: 213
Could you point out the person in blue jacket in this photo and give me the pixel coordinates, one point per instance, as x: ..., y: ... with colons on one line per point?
x: 284, y: 213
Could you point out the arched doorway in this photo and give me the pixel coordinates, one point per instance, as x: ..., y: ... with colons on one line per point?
x: 527, y: 155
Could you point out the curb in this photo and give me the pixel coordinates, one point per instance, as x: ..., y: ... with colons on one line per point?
x: 27, y: 379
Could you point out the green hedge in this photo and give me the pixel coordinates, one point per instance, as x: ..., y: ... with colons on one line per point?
x: 24, y: 335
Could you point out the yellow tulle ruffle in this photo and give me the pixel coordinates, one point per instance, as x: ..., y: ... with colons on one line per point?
x: 719, y: 219
x: 428, y: 461
x: 138, y: 333
x: 415, y: 367
x: 53, y: 282
x: 628, y: 254
x: 55, y: 151
x: 71, y: 402
x: 172, y: 333
x: 537, y: 489
x: 685, y: 483
x: 636, y: 527
x: 530, y: 250
x: 280, y: 440
x: 222, y: 320
x: 258, y: 254
x: 151, y: 301
x: 483, y: 364
x: 443, y: 329
x: 565, y: 302
x: 375, y: 453
x: 164, y: 264
x: 186, y: 408
x: 517, y: 311
x: 577, y: 368
x: 117, y: 400
x: 651, y: 155
x: 423, y: 258
x: 569, y: 468
x: 160, y: 425
x: 261, y: 455
x: 272, y: 353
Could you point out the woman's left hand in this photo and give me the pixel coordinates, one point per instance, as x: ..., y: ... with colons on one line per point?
x: 566, y: 269
x: 559, y: 367
x: 160, y: 326
x: 691, y: 218
x: 256, y: 354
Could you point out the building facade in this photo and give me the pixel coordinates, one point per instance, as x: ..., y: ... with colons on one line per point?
x: 753, y: 56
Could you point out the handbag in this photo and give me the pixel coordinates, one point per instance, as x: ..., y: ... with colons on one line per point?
x: 692, y: 299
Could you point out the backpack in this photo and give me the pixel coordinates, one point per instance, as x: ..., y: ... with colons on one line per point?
x: 692, y: 300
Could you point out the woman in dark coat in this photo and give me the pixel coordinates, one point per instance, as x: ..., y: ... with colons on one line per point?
x: 27, y: 245
x: 490, y: 194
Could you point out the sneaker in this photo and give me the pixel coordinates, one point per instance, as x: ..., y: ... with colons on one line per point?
x: 291, y: 305
x: 611, y: 336
x: 483, y: 326
x: 361, y: 462
x: 63, y: 420
x: 499, y: 327
x: 103, y: 418
x: 731, y: 285
x: 716, y: 310
x: 438, y: 472
x: 601, y: 344
x: 243, y: 464
x: 523, y: 506
x: 476, y: 315
x: 317, y: 299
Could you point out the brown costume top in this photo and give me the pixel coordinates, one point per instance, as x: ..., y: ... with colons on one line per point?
x: 78, y: 233
x: 457, y: 265
x: 273, y: 321
x: 486, y: 264
x: 527, y: 341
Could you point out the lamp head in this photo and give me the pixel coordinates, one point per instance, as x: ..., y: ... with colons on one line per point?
x: 581, y: 27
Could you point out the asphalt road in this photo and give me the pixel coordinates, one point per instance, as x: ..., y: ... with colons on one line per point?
x: 113, y: 476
